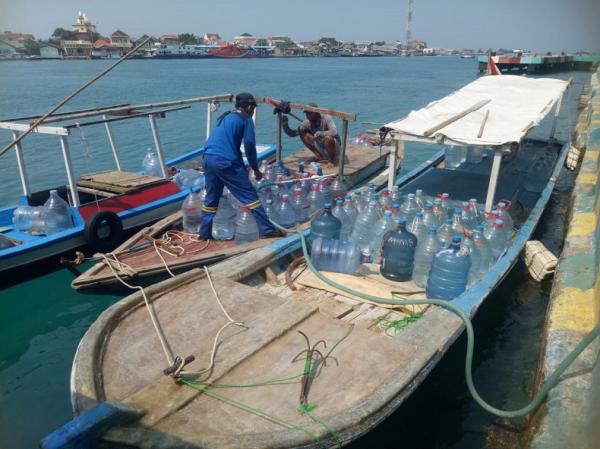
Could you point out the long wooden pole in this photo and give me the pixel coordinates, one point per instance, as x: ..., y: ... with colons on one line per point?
x: 70, y: 96
x: 456, y: 117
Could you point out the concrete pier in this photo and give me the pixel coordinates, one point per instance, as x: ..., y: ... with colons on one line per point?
x: 570, y: 417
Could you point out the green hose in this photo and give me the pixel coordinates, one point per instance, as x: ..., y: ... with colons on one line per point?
x: 539, y: 397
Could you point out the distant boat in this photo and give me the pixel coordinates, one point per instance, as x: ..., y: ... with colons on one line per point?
x: 467, y: 56
x: 230, y: 51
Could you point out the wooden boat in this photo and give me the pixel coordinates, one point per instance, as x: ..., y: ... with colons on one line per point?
x: 105, y: 204
x: 146, y: 262
x: 250, y: 395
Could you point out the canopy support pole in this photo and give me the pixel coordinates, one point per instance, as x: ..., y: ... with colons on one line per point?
x: 157, y: 144
x: 398, y: 147
x: 556, y: 114
x: 343, y: 153
x: 21, y: 165
x: 278, y: 142
x: 64, y: 145
x: 209, y: 117
x: 111, y: 140
x: 491, y: 193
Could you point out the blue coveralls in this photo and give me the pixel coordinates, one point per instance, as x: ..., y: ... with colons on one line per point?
x: 224, y: 166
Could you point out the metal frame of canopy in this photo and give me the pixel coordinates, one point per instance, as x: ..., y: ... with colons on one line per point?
x: 127, y: 112
x: 429, y: 136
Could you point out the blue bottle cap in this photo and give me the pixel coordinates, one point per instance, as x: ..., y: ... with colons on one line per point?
x: 339, y: 202
x: 395, y: 205
x: 387, y: 213
x: 371, y: 185
x: 428, y: 205
x: 456, y: 239
x: 465, y: 203
x: 419, y: 214
x: 348, y: 197
x: 402, y: 222
x: 327, y: 205
x: 448, y: 221
x: 432, y: 230
x: 357, y: 193
x: 479, y: 227
x: 457, y: 211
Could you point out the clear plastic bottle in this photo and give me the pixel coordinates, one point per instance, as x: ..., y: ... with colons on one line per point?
x: 385, y: 202
x: 439, y: 211
x: 271, y: 210
x: 191, y: 212
x: 446, y: 205
x: 421, y: 198
x: 29, y: 218
x: 424, y: 253
x: 301, y: 206
x: 445, y: 233
x: 325, y: 225
x: 325, y: 191
x: 151, y: 164
x: 496, y: 238
x: 338, y: 190
x: 359, y: 201
x: 371, y: 193
x: 350, y: 209
x: 449, y: 272
x: 305, y: 183
x: 362, y: 234
x: 187, y: 179
x: 417, y: 227
x: 469, y: 220
x: 429, y: 218
x: 384, y: 225
x: 409, y: 208
x: 474, y: 155
x: 398, y: 253
x: 504, y: 215
x: 339, y: 213
x: 315, y: 198
x: 246, y: 229
x: 286, y: 212
x: 396, y: 196
x: 478, y: 213
x: 56, y: 214
x: 453, y: 157
x: 223, y: 227
x: 457, y: 225
x: 335, y: 255
x: 481, y: 255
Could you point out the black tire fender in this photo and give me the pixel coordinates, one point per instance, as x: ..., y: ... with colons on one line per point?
x: 91, y: 231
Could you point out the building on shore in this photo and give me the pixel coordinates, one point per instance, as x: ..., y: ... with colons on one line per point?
x: 121, y: 42
x: 245, y: 39
x: 83, y: 29
x: 103, y: 49
x: 77, y: 49
x: 7, y: 50
x: 211, y: 39
x: 170, y: 40
x: 50, y: 51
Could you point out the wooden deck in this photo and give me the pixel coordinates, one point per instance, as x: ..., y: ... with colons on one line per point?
x: 117, y: 182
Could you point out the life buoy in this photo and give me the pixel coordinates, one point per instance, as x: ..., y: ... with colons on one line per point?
x: 103, y: 230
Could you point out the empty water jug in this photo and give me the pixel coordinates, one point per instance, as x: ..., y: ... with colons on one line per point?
x: 496, y: 238
x: 151, y: 164
x: 398, y: 253
x: 223, y: 226
x: 56, y: 214
x: 29, y: 219
x: 286, y: 212
x: 409, y: 208
x: 335, y: 255
x: 384, y: 225
x: 445, y: 233
x: 429, y: 218
x: 338, y: 190
x: 481, y: 255
x: 449, y: 272
x: 339, y: 213
x: 362, y: 234
x: 191, y: 212
x: 350, y: 209
x: 246, y: 229
x: 417, y: 227
x: 453, y: 157
x: 187, y: 179
x: 301, y: 206
x: 315, y: 199
x: 424, y: 253
x: 325, y: 225
x: 467, y: 217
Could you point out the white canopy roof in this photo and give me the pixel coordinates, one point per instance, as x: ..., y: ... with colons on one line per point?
x: 516, y: 104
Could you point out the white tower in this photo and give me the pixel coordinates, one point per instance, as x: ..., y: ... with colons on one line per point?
x: 409, y: 23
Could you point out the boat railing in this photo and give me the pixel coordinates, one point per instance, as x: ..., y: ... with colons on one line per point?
x: 108, y: 115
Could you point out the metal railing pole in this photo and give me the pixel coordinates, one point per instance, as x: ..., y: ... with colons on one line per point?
x: 278, y: 142
x: 21, y: 165
x: 157, y: 144
x: 343, y: 154
x: 64, y: 145
x: 209, y: 118
x: 111, y: 140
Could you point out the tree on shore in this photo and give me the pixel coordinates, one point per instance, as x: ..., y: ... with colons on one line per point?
x: 62, y: 34
x: 188, y: 39
x: 32, y: 47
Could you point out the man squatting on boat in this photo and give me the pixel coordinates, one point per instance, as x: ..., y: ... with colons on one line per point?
x: 319, y: 135
x: 224, y: 166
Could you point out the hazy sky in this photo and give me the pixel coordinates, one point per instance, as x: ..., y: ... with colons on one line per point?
x: 536, y: 25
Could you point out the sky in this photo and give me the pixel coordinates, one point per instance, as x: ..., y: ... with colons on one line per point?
x: 535, y: 25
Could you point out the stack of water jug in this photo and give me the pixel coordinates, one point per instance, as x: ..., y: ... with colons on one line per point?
x: 442, y: 248
x: 54, y: 216
x: 290, y: 198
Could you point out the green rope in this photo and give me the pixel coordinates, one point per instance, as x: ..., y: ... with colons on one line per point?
x: 553, y: 379
x: 396, y: 325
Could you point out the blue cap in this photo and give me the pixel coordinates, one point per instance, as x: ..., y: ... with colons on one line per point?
x: 387, y: 213
x: 428, y: 205
x: 327, y: 205
x: 456, y: 239
x: 371, y: 185
x: 479, y: 227
x: 402, y: 221
x: 339, y: 202
x: 432, y: 230
x: 395, y: 205
x: 419, y: 214
x: 448, y: 221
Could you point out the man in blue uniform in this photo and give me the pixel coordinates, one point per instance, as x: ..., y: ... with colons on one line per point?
x: 224, y: 166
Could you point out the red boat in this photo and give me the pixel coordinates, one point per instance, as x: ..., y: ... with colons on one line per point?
x: 230, y: 51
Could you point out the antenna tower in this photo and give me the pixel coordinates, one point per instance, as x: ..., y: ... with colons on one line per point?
x: 409, y: 23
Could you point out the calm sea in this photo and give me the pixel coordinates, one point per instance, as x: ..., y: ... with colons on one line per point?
x: 42, y: 320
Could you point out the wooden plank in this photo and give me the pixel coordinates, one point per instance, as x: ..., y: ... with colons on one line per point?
x: 372, y: 284
x: 97, y: 192
x: 118, y: 181
x: 161, y: 397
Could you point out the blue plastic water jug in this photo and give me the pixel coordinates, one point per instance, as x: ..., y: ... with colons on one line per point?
x: 449, y: 272
x: 398, y: 253
x: 325, y: 225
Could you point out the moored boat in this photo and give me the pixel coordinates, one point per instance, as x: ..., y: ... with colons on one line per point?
x: 102, y: 205
x: 248, y: 393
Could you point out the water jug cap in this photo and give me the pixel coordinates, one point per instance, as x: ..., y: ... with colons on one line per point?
x: 419, y: 214
x: 339, y: 202
x: 385, y: 193
x: 432, y: 230
x: 499, y: 222
x: 411, y: 195
x: 371, y: 185
x: 284, y: 197
x: 473, y: 200
x: 457, y: 211
x: 456, y: 239
x: 387, y: 213
x: 402, y: 222
x: 395, y: 205
x: 465, y: 204
x: 53, y: 192
x: 327, y: 205
x: 448, y: 221
x: 395, y: 188
x: 428, y: 205
x: 357, y: 193
x: 479, y: 227
x: 348, y: 197
x: 501, y: 205
x: 418, y: 191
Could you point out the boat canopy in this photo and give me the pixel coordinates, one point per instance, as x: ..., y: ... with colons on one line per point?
x: 492, y: 111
